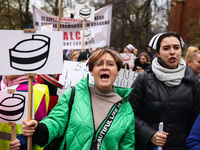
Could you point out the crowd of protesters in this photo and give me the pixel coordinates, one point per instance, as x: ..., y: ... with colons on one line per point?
x: 104, y: 116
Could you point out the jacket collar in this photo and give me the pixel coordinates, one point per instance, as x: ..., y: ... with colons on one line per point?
x: 123, y: 92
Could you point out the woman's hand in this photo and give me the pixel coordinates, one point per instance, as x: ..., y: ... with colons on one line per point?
x: 159, y: 139
x: 15, y: 145
x: 28, y: 127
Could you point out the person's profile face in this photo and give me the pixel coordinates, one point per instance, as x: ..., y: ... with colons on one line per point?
x: 195, y: 64
x: 170, y: 52
x: 105, y: 72
x: 136, y: 51
x: 75, y: 57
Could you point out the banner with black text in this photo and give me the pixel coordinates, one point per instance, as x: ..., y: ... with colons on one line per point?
x: 72, y: 28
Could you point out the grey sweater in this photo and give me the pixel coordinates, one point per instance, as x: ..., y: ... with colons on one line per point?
x: 102, y: 101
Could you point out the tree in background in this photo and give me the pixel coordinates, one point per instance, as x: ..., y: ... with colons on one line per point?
x: 15, y: 14
x: 194, y: 32
x: 133, y: 21
x: 52, y: 6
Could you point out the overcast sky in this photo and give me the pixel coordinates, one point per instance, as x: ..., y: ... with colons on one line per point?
x: 37, y: 3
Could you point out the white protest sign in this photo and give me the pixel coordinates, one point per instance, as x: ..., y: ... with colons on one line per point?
x: 72, y: 28
x: 39, y: 52
x: 13, y: 107
x: 128, y: 58
x: 47, y: 28
x: 73, y: 72
x: 84, y: 12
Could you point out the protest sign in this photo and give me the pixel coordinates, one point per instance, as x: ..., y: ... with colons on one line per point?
x: 72, y: 28
x: 73, y: 72
x: 127, y: 57
x: 13, y: 107
x: 84, y: 12
x: 39, y: 52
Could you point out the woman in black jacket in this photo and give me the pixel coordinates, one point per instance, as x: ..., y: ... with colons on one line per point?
x: 168, y: 92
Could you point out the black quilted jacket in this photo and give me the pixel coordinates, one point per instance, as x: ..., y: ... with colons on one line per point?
x: 154, y: 102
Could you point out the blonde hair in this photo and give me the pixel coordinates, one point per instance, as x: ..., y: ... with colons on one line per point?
x: 190, y: 50
x: 73, y: 53
x: 135, y: 52
x: 191, y: 56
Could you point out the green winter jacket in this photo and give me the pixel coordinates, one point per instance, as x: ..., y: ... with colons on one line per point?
x: 80, y: 133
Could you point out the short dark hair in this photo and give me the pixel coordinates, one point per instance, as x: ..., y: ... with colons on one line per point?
x: 168, y: 34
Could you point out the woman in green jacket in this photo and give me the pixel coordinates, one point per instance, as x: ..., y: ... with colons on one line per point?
x: 101, y: 116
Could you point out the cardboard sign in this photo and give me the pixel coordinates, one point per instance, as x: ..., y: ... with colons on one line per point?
x: 128, y: 58
x: 30, y: 52
x: 13, y: 107
x: 72, y: 39
x: 84, y: 12
x: 73, y: 72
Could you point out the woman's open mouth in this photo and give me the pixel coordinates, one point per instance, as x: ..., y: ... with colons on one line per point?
x: 104, y: 76
x: 172, y: 60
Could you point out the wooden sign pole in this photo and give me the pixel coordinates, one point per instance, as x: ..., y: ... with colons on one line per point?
x: 12, y: 124
x: 83, y: 34
x: 13, y: 129
x: 125, y: 66
x: 59, y: 16
x: 31, y: 76
x: 88, y: 45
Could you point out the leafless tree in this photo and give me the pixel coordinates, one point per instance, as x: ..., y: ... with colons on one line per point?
x: 15, y: 14
x: 133, y: 21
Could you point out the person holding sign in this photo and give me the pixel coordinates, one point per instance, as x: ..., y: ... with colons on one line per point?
x: 101, y: 116
x: 129, y: 50
x: 41, y: 101
x: 168, y: 92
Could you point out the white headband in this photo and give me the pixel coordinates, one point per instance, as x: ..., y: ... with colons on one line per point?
x: 154, y: 40
x: 130, y: 46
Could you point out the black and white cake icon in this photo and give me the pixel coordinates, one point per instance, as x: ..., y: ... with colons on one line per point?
x: 87, y: 33
x: 85, y: 12
x: 32, y: 58
x: 12, y: 108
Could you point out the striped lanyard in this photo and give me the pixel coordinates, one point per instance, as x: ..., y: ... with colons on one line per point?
x: 107, y: 124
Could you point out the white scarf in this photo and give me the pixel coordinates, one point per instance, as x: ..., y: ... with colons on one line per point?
x: 170, y: 77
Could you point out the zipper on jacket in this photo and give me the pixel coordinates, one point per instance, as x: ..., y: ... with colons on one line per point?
x: 91, y: 146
